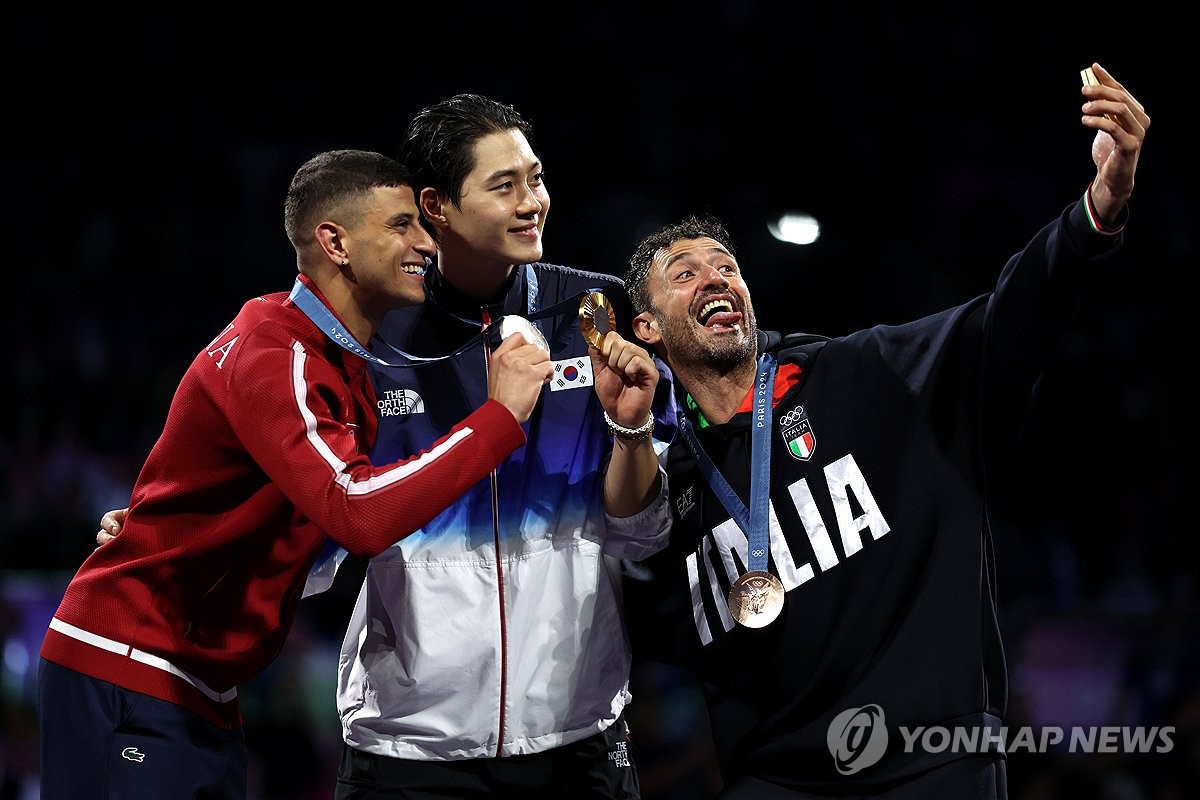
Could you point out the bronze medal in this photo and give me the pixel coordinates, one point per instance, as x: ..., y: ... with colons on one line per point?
x: 595, y: 327
x: 755, y: 599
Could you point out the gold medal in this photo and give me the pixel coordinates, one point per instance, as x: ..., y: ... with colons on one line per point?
x: 755, y: 599
x: 595, y: 328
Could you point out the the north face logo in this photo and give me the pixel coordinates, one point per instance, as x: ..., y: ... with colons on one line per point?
x: 400, y: 402
x: 619, y: 755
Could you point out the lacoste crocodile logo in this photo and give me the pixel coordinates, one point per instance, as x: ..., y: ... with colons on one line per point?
x: 133, y: 754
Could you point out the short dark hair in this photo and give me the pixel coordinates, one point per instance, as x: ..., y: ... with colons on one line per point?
x: 439, y: 142
x: 692, y: 227
x: 328, y: 182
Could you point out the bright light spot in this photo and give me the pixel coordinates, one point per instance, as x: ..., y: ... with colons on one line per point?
x: 795, y: 227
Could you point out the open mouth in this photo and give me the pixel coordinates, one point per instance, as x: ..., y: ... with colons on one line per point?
x: 413, y: 269
x: 718, y: 312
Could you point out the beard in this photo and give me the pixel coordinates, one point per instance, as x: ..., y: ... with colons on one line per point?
x: 689, y: 344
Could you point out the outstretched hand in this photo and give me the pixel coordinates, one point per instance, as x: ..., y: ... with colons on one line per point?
x: 1120, y: 122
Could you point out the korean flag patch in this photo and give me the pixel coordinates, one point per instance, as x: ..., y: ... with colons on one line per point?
x: 572, y: 373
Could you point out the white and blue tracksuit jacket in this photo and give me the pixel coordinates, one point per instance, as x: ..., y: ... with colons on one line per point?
x: 497, y: 629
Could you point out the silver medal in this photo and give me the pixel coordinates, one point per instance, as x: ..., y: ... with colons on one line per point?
x: 512, y: 323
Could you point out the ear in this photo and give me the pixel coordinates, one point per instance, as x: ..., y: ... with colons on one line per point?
x: 645, y: 327
x: 432, y: 205
x: 330, y: 237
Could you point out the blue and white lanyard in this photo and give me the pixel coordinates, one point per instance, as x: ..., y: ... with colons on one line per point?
x: 320, y: 314
x: 754, y: 523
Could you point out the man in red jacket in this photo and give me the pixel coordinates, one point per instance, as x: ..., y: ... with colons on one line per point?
x: 263, y: 456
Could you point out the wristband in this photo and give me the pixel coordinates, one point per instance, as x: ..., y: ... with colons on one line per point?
x: 631, y: 434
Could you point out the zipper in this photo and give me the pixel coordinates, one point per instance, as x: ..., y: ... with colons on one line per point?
x: 493, y: 479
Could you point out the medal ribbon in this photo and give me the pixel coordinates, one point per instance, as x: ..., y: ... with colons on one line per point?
x: 753, y: 522
x: 320, y: 314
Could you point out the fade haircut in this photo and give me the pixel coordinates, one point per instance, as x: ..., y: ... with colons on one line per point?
x: 331, y: 184
x: 692, y: 227
x: 439, y: 143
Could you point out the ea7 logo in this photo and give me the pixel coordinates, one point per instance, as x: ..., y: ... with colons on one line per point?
x: 686, y: 501
x: 797, y: 434
x: 133, y: 754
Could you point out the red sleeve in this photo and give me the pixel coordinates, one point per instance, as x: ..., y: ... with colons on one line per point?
x: 295, y: 414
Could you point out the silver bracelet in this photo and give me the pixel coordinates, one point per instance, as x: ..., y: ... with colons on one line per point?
x: 631, y: 434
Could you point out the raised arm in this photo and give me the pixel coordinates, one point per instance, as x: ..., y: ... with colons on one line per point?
x: 626, y: 378
x: 1120, y: 122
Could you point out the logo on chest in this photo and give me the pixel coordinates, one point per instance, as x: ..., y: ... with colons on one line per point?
x: 797, y: 433
x: 686, y: 501
x: 400, y: 403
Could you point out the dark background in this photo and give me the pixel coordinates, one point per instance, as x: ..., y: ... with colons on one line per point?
x: 146, y: 161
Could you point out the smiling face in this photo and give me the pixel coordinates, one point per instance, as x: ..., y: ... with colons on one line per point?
x: 699, y: 312
x: 500, y: 215
x: 387, y: 247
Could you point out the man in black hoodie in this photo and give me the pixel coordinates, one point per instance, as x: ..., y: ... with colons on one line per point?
x: 856, y: 597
